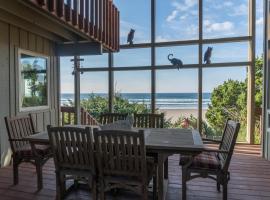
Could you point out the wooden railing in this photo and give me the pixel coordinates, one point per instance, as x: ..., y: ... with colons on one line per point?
x: 99, y: 19
x: 68, y: 116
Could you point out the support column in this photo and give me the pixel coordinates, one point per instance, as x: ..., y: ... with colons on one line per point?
x: 111, y: 83
x: 251, y: 74
x: 153, y: 56
x: 77, y: 89
x: 199, y: 122
x: 266, y: 92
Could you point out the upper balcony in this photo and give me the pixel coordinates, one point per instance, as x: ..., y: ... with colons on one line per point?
x: 72, y: 20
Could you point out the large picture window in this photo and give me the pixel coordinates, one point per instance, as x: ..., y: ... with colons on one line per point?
x: 33, y: 81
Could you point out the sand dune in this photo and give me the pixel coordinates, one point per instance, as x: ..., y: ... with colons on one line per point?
x: 174, y: 114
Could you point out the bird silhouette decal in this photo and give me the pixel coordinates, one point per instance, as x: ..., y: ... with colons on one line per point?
x: 207, y: 55
x: 130, y: 37
x: 175, y: 61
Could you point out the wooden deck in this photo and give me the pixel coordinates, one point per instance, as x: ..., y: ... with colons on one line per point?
x: 250, y: 180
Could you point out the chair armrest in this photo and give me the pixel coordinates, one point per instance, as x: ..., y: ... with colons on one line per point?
x: 18, y: 140
x: 211, y: 140
x: 215, y: 150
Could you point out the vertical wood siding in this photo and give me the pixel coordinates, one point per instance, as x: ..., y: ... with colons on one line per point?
x: 11, y: 38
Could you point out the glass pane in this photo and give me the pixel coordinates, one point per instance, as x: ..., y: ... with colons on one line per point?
x: 94, y: 92
x: 135, y: 15
x: 132, y: 91
x: 177, y: 97
x: 177, y: 20
x: 33, y: 80
x: 95, y: 61
x: 225, y: 18
x: 133, y: 57
x: 259, y: 27
x: 227, y: 88
x: 228, y: 52
x: 67, y: 81
x: 187, y: 54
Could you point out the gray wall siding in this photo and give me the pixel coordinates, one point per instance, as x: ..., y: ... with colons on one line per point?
x: 11, y: 38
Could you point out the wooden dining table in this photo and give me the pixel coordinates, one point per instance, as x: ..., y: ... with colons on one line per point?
x: 161, y: 141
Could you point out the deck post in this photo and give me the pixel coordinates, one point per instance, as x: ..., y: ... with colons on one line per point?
x: 110, y: 82
x: 251, y: 74
x: 153, y: 56
x: 77, y: 89
x: 200, y: 70
x: 266, y: 87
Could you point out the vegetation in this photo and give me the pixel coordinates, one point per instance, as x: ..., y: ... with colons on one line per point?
x: 38, y: 90
x: 228, y: 100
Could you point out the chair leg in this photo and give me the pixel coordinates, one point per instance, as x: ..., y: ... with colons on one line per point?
x: 218, y: 186
x: 144, y: 192
x: 225, y: 191
x: 102, y: 192
x: 39, y: 176
x: 184, y: 184
x: 93, y: 186
x: 155, y: 187
x: 58, y: 187
x: 15, y: 172
x: 166, y: 169
x: 218, y: 183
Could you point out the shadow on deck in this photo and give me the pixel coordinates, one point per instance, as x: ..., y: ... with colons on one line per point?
x: 250, y: 179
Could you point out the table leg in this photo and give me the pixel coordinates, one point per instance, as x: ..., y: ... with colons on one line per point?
x: 160, y: 177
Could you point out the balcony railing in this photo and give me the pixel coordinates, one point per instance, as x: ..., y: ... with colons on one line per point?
x: 68, y: 116
x: 99, y: 19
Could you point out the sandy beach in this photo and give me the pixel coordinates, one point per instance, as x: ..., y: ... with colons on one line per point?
x: 174, y: 114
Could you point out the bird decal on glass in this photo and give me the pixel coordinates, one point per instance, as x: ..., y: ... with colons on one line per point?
x: 207, y: 55
x: 175, y: 61
x: 130, y: 37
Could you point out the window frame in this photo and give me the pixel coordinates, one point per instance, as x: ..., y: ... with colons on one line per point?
x: 20, y: 108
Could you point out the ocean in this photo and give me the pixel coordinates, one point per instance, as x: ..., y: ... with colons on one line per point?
x: 163, y: 100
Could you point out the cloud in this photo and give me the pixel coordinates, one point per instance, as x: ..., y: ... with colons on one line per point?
x: 172, y: 16
x: 228, y: 4
x: 242, y: 9
x: 185, y: 5
x: 181, y: 7
x: 259, y: 21
x: 161, y: 38
x: 222, y: 26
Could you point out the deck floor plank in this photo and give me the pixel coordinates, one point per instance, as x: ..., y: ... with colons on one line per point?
x: 250, y: 180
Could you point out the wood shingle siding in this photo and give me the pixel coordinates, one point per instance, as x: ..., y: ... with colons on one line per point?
x: 12, y: 38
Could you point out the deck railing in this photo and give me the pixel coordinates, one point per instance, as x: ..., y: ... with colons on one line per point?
x: 68, y: 116
x: 99, y: 19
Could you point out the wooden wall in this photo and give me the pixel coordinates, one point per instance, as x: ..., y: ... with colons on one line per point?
x: 11, y: 38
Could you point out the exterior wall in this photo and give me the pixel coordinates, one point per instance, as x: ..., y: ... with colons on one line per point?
x: 11, y: 38
x: 266, y: 127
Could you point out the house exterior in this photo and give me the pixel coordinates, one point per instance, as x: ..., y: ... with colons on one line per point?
x: 266, y: 105
x: 34, y: 33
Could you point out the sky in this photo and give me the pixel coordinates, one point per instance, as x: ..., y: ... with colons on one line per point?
x: 175, y: 20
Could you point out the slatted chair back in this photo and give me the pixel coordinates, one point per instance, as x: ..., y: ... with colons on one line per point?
x: 18, y: 128
x: 121, y: 153
x: 106, y: 118
x: 149, y: 120
x: 72, y: 148
x: 228, y: 142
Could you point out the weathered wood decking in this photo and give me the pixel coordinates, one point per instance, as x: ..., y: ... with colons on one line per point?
x: 250, y: 180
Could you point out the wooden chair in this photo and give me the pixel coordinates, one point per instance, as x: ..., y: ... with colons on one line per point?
x: 106, y: 118
x: 18, y: 128
x: 73, y: 156
x: 149, y: 120
x: 122, y: 162
x: 212, y: 163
